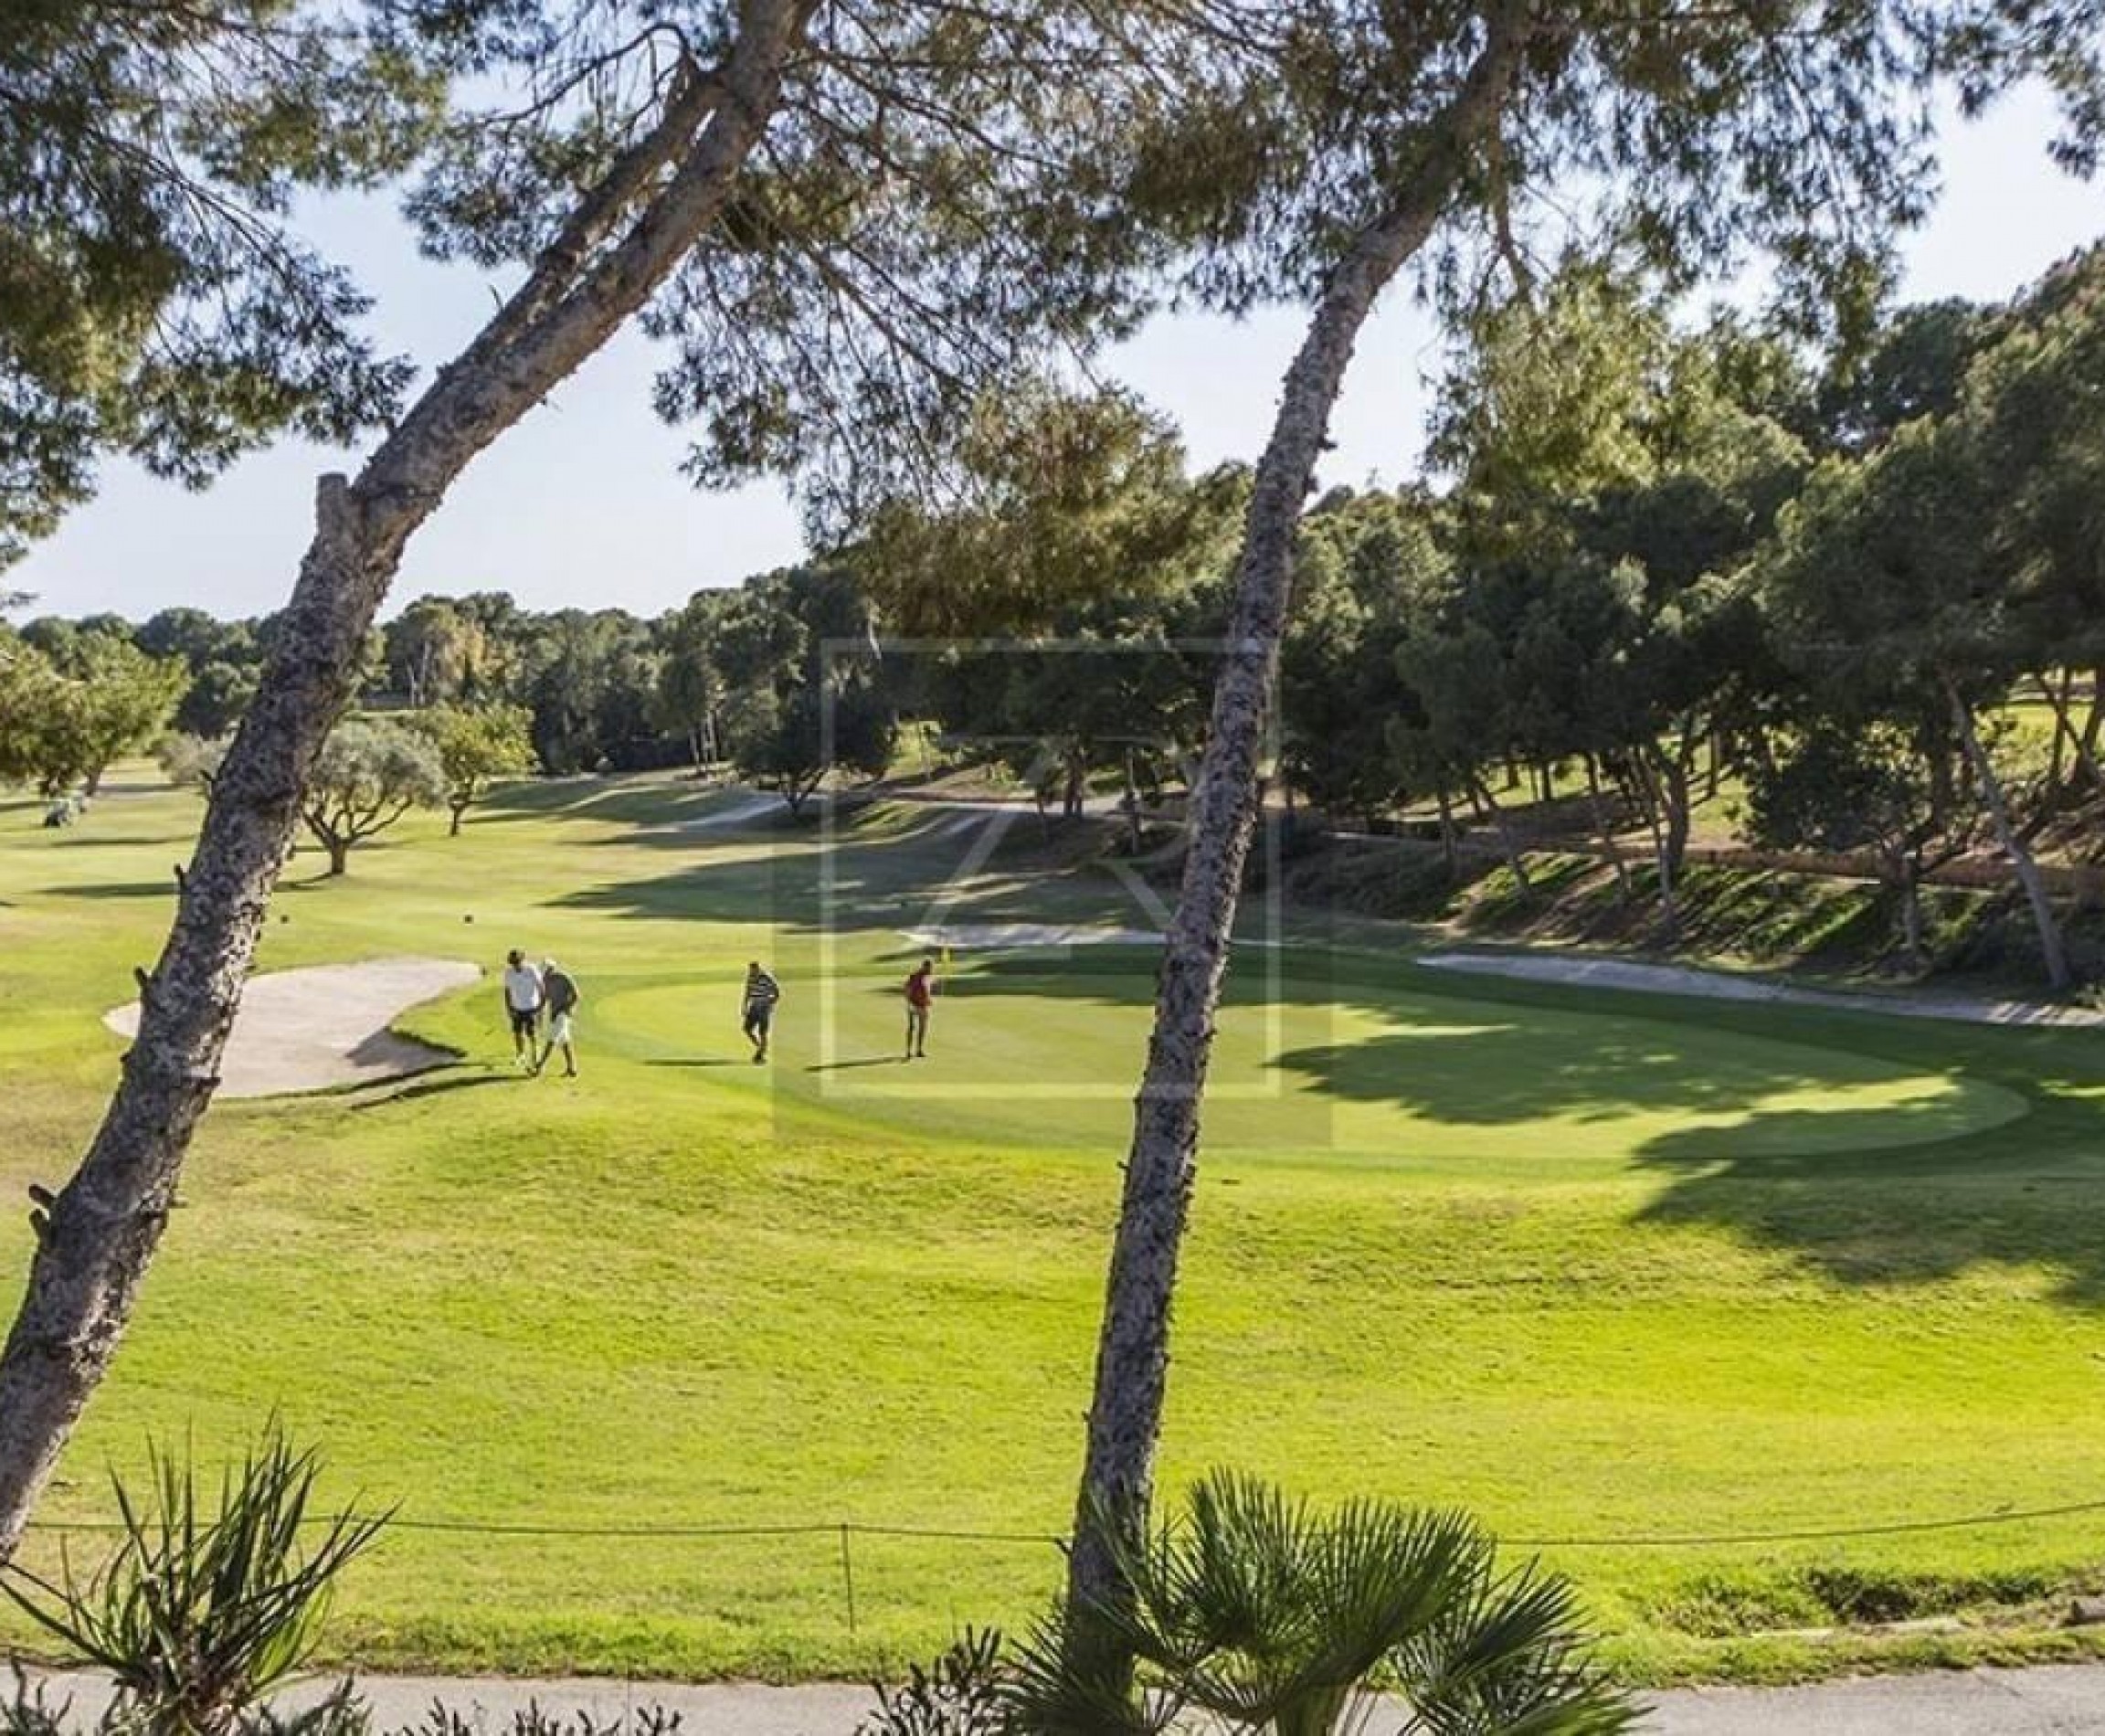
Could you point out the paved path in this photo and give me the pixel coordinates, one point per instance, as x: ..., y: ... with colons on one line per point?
x: 1007, y: 936
x: 2059, y: 1700
x: 1587, y: 970
x: 326, y: 1025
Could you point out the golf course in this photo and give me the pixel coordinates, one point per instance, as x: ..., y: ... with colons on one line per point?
x: 1656, y: 1285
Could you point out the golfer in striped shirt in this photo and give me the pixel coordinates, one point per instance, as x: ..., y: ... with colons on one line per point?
x: 762, y: 991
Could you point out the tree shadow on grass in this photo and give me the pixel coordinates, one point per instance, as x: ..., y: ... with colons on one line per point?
x: 427, y: 1086
x: 616, y: 798
x: 872, y: 866
x: 701, y: 1061
x: 120, y: 889
x: 73, y: 838
x: 1996, y: 1157
x: 1506, y: 1073
x: 897, y: 877
x: 1909, y: 1191
x: 1929, y: 1201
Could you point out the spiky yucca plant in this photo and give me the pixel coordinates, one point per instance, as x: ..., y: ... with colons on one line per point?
x: 198, y: 1615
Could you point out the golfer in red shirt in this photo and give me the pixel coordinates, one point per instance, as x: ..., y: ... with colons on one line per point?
x: 920, y: 994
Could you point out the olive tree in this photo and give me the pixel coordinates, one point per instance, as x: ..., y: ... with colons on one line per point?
x: 367, y: 776
x: 476, y: 745
x: 65, y: 719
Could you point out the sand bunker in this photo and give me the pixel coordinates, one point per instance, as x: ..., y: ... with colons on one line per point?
x: 326, y: 1025
x: 992, y: 936
x: 1580, y: 971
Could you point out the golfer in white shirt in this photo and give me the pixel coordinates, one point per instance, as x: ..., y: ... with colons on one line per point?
x: 522, y: 998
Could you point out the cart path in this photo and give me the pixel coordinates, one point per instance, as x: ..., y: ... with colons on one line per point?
x: 1584, y: 971
x: 2052, y: 1699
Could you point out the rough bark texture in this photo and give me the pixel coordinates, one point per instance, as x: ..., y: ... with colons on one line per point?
x: 1133, y: 1346
x: 1673, y: 788
x: 1905, y: 878
x: 656, y: 202
x: 2022, y: 862
x: 1603, y: 824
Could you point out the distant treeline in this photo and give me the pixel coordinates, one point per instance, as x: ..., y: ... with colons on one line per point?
x: 1669, y: 559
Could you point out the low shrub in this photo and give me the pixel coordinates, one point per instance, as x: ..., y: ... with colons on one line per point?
x: 962, y: 1693
x: 196, y: 1616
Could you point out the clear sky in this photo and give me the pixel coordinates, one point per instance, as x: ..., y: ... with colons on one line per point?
x: 583, y: 503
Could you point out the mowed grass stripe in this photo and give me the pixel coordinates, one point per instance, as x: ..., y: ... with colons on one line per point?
x: 1595, y: 1264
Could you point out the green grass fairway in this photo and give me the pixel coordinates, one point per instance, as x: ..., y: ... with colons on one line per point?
x: 1601, y: 1268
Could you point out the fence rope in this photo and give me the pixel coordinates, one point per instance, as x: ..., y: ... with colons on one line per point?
x: 846, y: 1528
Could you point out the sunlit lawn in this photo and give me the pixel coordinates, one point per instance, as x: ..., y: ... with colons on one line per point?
x: 1601, y: 1268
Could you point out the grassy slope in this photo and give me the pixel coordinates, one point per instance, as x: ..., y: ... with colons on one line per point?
x: 1595, y: 1266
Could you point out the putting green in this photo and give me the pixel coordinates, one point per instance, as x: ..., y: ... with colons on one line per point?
x: 1599, y: 1266
x: 1032, y: 1051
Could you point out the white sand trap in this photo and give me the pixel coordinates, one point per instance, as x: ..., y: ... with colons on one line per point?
x: 995, y: 936
x: 1580, y: 971
x: 326, y: 1025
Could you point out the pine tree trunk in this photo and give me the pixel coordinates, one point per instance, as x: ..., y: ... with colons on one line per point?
x: 1911, y: 886
x: 103, y: 1230
x: 2061, y: 730
x: 2086, y: 763
x: 1508, y: 845
x: 1674, y: 781
x: 1133, y: 1347
x: 1603, y: 825
x: 2022, y: 862
x: 1669, y: 887
x: 1664, y: 858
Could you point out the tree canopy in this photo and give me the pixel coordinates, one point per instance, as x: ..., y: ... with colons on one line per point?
x: 156, y: 297
x: 369, y: 774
